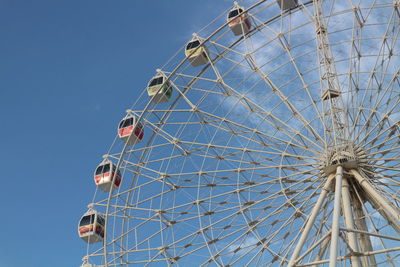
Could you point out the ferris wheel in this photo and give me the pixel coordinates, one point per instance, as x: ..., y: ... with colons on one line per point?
x: 271, y: 139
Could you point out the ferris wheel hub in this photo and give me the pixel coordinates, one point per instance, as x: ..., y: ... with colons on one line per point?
x: 346, y: 156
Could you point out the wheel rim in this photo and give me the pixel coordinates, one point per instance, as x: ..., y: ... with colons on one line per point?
x: 232, y: 167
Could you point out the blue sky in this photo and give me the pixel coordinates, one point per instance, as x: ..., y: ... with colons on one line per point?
x: 68, y: 71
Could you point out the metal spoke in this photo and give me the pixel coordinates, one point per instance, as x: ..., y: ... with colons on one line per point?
x: 280, y: 149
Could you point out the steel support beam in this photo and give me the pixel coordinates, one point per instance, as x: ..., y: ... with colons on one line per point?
x: 336, y: 217
x: 383, y: 206
x: 349, y: 221
x: 310, y: 222
x: 364, y: 239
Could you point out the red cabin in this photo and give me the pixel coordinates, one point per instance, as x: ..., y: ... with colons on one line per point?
x: 238, y: 21
x: 104, y: 175
x: 130, y: 130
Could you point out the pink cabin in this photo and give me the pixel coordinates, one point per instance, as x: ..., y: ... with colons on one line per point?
x: 104, y: 175
x: 130, y: 130
x: 238, y: 21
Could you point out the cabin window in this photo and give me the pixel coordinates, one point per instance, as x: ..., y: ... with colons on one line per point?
x: 99, y: 170
x: 192, y: 44
x: 126, y: 123
x: 156, y: 81
x: 235, y: 12
x: 103, y: 169
x: 86, y: 220
x: 100, y: 220
x: 106, y: 168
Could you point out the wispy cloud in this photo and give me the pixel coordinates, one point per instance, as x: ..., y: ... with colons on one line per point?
x: 244, y: 246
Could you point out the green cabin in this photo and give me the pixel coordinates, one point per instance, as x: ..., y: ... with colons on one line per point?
x: 159, y: 89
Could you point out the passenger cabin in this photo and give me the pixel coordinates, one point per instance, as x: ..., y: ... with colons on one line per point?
x: 196, y: 53
x: 287, y: 4
x: 104, y: 175
x: 130, y: 130
x: 91, y: 227
x: 238, y: 21
x: 159, y: 89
